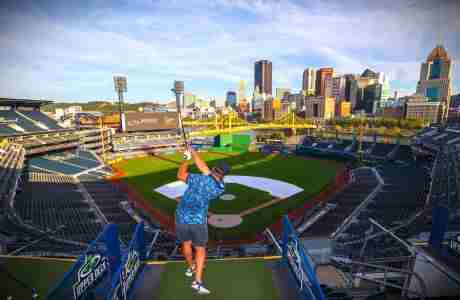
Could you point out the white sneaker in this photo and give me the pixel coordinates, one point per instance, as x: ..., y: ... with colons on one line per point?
x: 190, y: 271
x: 198, y: 286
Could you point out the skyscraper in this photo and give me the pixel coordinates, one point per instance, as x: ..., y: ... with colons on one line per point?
x: 436, y: 78
x: 309, y: 82
x: 230, y: 100
x: 349, y: 78
x: 242, y: 91
x: 263, y: 77
x: 368, y: 91
x: 321, y: 76
x: 335, y: 87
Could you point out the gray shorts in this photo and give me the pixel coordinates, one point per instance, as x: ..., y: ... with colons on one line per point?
x: 197, y: 233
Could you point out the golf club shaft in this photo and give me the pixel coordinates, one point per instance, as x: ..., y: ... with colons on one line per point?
x: 181, y: 127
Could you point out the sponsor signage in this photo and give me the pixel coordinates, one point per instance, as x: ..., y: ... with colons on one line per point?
x: 91, y: 271
x: 129, y: 272
x: 300, y: 263
x: 295, y: 261
x: 91, y: 275
x: 130, y: 267
x: 146, y: 121
x: 454, y: 245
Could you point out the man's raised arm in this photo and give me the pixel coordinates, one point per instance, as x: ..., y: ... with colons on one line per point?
x: 182, y: 173
x: 200, y: 164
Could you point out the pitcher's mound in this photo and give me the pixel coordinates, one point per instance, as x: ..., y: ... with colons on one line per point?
x: 224, y: 221
x: 227, y: 197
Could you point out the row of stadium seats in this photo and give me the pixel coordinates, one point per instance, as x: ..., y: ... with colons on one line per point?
x: 146, y: 144
x: 70, y: 163
x: 402, y: 196
x: 446, y: 185
x: 109, y: 199
x: 42, y: 118
x: 11, y: 163
x: 370, y: 150
x: 16, y: 236
x: 25, y: 122
x: 363, y: 183
x: 49, y: 201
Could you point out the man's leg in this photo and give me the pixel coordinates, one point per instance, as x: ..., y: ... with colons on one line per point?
x: 187, y: 252
x: 200, y: 257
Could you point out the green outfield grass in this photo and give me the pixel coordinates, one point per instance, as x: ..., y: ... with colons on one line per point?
x: 40, y: 274
x: 145, y: 174
x: 228, y: 280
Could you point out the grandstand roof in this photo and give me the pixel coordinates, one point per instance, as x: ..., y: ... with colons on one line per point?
x: 23, y: 102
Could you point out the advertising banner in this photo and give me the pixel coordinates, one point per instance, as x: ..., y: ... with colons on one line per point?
x: 122, y: 287
x: 90, y: 277
x: 147, y: 121
x: 300, y: 263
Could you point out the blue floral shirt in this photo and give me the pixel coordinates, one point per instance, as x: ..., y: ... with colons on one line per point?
x: 193, y: 207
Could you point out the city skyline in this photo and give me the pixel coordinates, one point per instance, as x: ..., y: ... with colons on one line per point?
x: 70, y: 52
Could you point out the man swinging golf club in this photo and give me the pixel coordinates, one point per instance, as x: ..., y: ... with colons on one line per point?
x: 192, y: 212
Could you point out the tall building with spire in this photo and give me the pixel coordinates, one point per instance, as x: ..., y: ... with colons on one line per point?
x: 435, y: 81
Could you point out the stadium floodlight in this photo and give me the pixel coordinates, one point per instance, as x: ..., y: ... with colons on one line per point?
x: 120, y: 84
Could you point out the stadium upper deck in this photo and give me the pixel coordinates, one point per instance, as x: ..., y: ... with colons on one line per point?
x: 19, y: 116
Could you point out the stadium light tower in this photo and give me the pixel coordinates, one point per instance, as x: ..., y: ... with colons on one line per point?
x: 178, y: 90
x: 120, y: 87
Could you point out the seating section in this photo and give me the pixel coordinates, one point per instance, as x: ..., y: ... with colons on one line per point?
x: 11, y: 163
x: 350, y: 148
x: 382, y: 150
x: 160, y: 143
x: 23, y: 239
x: 24, y: 123
x: 342, y: 145
x: 6, y: 130
x: 402, y: 196
x: 346, y: 201
x: 54, y: 166
x: 48, y: 201
x: 109, y: 200
x: 404, y: 153
x: 67, y: 163
x: 41, y: 117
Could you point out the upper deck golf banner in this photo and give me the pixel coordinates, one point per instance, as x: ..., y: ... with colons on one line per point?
x: 122, y: 287
x: 90, y: 277
x: 301, y: 264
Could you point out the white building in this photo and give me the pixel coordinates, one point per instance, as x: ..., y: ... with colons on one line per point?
x: 309, y: 82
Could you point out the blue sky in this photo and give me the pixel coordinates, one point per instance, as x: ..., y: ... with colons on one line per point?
x: 69, y: 50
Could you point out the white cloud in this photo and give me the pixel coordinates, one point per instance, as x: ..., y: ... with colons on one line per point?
x: 211, y: 44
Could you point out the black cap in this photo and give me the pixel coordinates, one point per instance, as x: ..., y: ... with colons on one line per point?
x: 223, y: 167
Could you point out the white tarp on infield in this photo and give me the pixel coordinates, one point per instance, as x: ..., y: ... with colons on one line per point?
x: 277, y: 188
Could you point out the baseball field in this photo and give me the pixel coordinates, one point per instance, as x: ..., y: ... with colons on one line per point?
x: 255, y: 205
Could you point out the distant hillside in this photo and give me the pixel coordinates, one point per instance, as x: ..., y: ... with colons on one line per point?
x: 102, y: 106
